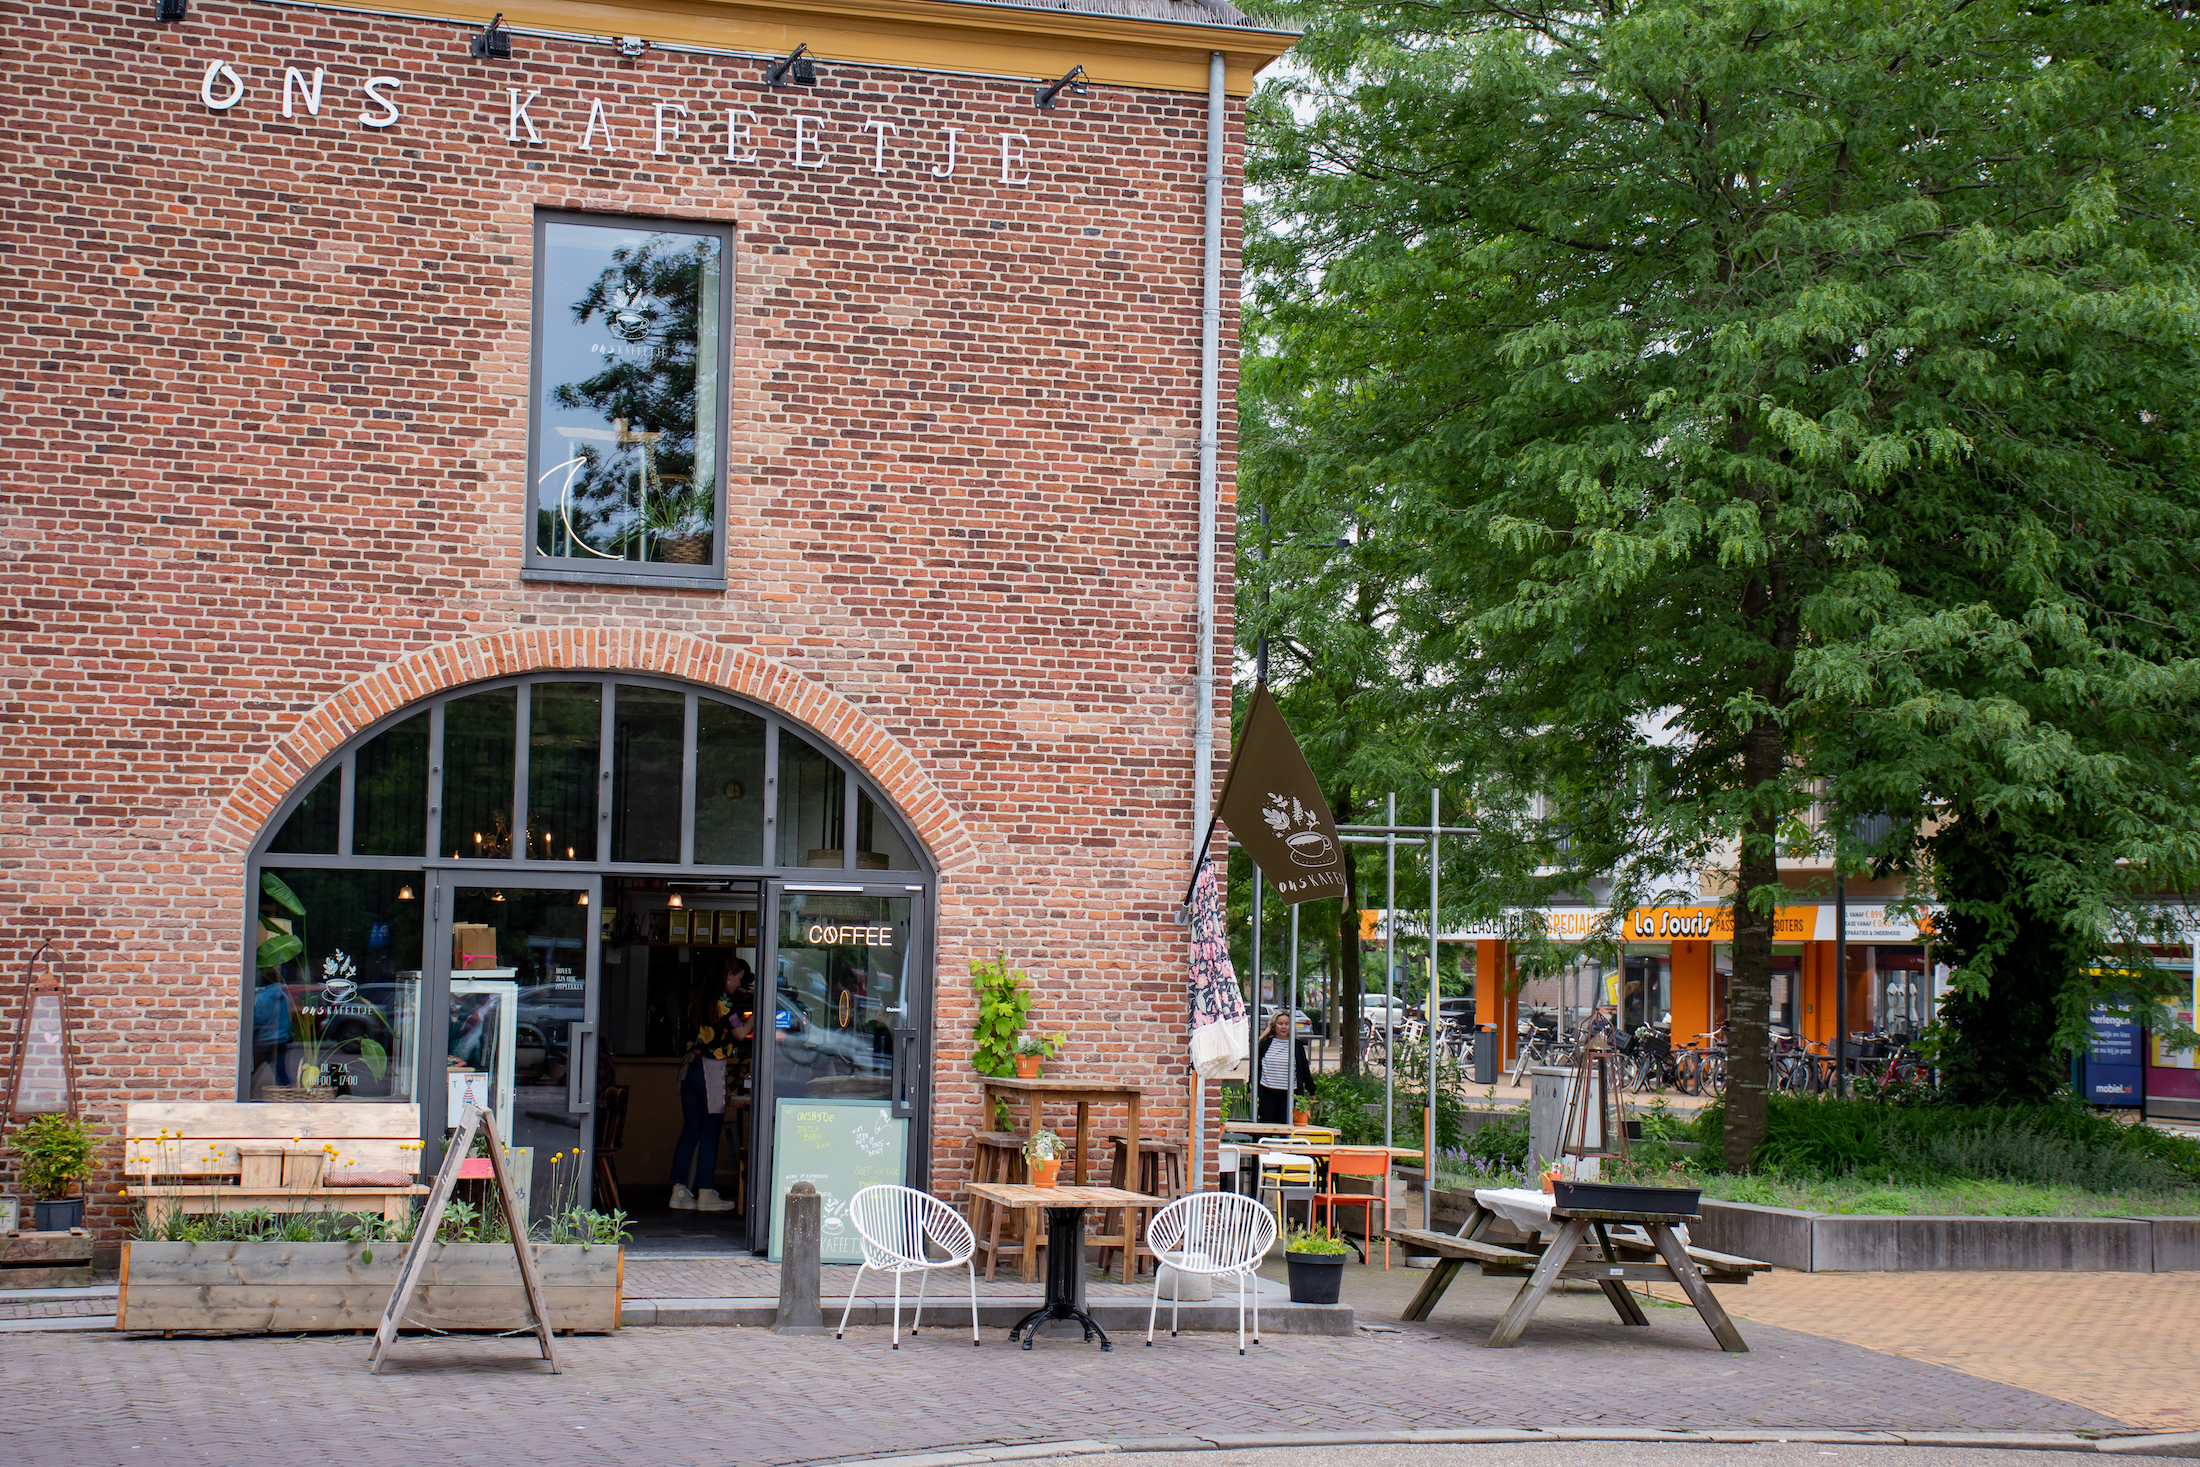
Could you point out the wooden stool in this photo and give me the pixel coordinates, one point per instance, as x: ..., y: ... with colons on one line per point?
x: 1160, y: 1174
x: 610, y: 1135
x: 999, y: 1157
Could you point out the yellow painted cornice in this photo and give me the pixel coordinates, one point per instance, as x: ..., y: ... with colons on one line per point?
x: 922, y: 35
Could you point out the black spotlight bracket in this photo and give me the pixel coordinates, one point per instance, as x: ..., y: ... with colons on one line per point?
x: 1043, y: 98
x: 494, y: 43
x: 795, y: 66
x: 170, y: 12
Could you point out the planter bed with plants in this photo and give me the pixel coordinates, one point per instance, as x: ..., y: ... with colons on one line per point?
x: 1910, y: 1183
x: 293, y: 1273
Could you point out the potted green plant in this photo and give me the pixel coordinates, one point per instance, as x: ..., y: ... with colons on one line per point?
x: 1302, y: 1110
x: 679, y: 521
x: 55, y: 1153
x: 1043, y: 1154
x: 1032, y: 1053
x: 1316, y: 1265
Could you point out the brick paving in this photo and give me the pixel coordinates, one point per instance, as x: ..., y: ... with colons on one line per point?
x: 2126, y: 1344
x: 739, y: 1276
x: 694, y: 1394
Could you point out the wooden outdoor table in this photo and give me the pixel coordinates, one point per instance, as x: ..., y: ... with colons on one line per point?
x: 1065, y: 1210
x: 1609, y: 1263
x: 1084, y: 1094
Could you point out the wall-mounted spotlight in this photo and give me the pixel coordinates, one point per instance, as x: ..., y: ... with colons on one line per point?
x: 795, y: 67
x: 494, y: 43
x: 631, y: 46
x: 1043, y: 98
x: 169, y: 12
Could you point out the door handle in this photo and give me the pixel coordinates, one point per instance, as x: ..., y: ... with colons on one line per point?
x: 580, y: 1068
x: 906, y: 1067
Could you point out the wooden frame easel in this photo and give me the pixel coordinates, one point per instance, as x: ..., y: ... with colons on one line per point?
x: 431, y: 1219
x: 55, y: 982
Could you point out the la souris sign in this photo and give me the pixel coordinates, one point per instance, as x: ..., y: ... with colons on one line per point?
x: 655, y: 127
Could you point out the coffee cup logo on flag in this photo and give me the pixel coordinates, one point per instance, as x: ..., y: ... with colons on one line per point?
x: 1274, y: 806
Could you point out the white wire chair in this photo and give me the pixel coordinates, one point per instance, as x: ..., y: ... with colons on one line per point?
x: 900, y: 1229
x: 1220, y: 1234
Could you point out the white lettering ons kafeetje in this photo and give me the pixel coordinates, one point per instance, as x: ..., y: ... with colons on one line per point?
x: 654, y: 127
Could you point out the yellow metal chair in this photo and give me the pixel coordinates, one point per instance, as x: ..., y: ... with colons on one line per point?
x: 1290, y: 1177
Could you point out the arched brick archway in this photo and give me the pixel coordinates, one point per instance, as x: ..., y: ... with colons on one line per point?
x: 665, y: 654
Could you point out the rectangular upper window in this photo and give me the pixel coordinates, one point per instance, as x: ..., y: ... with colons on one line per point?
x: 627, y: 433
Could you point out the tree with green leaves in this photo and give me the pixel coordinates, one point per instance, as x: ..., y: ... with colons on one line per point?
x: 1790, y: 406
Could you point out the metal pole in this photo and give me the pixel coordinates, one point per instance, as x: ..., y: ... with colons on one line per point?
x: 1435, y: 1009
x: 1390, y: 968
x: 1292, y: 1054
x: 1840, y: 972
x: 1252, y: 1020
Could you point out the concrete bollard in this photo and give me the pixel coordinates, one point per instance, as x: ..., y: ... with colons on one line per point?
x: 800, y: 1237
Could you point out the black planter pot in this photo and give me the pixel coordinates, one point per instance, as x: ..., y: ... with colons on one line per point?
x: 58, y: 1216
x: 1316, y: 1278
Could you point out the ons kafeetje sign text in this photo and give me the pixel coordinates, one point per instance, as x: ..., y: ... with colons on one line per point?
x: 652, y: 127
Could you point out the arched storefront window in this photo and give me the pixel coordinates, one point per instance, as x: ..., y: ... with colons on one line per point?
x: 530, y: 891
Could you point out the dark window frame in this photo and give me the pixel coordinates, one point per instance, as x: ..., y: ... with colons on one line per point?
x: 534, y: 565
x: 922, y: 881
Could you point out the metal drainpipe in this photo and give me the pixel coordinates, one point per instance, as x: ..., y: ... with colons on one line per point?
x: 1210, y: 432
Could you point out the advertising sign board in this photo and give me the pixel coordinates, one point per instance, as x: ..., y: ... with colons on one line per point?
x: 2112, y: 1062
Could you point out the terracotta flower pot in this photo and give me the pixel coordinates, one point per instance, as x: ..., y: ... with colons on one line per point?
x: 1029, y: 1065
x: 1302, y: 1118
x: 1043, y: 1173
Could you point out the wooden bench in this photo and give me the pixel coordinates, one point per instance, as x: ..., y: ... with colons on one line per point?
x: 198, y: 1157
x: 1638, y: 1260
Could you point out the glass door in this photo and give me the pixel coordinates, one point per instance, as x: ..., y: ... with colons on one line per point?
x: 841, y: 1061
x: 512, y: 1012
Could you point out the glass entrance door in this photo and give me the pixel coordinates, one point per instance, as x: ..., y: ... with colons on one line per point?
x: 841, y: 1059
x: 511, y: 1020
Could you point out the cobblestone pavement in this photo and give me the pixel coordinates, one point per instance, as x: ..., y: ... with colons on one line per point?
x: 2125, y: 1344
x: 740, y: 1276
x: 679, y: 1395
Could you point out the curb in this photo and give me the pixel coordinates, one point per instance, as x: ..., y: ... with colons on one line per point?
x: 2172, y: 1444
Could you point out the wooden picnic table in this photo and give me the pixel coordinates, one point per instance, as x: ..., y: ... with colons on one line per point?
x: 1065, y: 1210
x: 1084, y: 1094
x: 1610, y: 1262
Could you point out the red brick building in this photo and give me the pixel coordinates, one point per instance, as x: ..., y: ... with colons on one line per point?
x: 500, y: 546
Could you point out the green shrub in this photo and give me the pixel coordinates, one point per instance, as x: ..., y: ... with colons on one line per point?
x: 2063, y: 1144
x: 1501, y: 1142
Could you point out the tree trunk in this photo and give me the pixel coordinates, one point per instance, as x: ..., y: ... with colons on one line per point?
x: 1348, y: 952
x: 1749, y: 994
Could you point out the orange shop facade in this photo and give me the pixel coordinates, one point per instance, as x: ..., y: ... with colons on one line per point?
x: 1675, y: 965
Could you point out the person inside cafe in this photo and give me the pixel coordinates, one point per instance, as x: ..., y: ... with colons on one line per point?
x: 719, y: 1024
x: 1282, y: 1070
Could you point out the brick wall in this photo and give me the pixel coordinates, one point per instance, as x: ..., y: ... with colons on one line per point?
x: 267, y: 432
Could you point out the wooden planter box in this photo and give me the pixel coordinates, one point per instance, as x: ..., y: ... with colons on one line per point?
x: 287, y: 1288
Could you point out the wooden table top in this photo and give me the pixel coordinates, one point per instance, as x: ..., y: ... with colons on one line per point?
x: 1017, y: 1194
x: 1266, y: 1128
x: 1045, y: 1086
x: 1315, y: 1148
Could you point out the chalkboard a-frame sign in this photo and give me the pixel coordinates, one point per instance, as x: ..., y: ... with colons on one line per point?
x: 839, y: 1147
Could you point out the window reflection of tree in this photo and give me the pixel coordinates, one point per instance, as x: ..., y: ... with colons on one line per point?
x: 636, y: 480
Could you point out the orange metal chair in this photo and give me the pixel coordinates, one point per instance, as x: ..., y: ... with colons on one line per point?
x: 1372, y: 1162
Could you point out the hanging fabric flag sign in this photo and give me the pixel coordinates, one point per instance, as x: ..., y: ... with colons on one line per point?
x: 1274, y: 806
x: 1219, y: 1042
